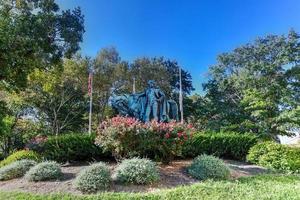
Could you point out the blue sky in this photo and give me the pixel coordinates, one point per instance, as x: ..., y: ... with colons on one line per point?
x: 193, y: 32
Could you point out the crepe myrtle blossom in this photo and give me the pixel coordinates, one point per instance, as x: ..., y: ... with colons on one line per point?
x: 121, y: 135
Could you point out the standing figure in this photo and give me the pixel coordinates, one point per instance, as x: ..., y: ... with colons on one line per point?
x: 155, y: 105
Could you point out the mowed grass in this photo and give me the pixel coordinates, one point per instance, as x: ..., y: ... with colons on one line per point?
x: 285, y: 187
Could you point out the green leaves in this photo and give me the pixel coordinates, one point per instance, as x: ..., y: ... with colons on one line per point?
x: 34, y: 34
x: 257, y: 83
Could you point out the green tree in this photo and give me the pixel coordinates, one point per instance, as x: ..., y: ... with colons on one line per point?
x: 58, y: 96
x: 111, y: 74
x: 35, y: 34
x: 255, y: 88
x: 164, y: 71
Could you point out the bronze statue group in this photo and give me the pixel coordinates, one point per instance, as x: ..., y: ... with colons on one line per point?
x: 151, y: 104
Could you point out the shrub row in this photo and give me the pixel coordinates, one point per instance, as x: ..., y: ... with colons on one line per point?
x: 32, y: 170
x: 225, y: 144
x: 275, y: 156
x: 153, y: 140
x: 69, y: 147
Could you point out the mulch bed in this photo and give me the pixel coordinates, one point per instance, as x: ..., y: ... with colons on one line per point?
x: 171, y: 176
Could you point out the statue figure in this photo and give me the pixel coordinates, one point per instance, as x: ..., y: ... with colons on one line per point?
x: 151, y: 104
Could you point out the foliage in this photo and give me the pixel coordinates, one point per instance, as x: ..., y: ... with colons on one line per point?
x: 223, y: 144
x: 264, y: 187
x: 255, y: 88
x: 35, y: 34
x: 70, y: 147
x: 260, y: 149
x: 127, y: 137
x: 136, y: 171
x: 20, y: 155
x: 58, y: 96
x: 275, y: 156
x: 16, y: 128
x: 43, y: 171
x: 208, y: 167
x: 93, y: 178
x: 16, y: 169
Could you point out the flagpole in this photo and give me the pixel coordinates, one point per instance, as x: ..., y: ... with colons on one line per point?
x: 91, y: 99
x: 133, y: 86
x: 180, y: 96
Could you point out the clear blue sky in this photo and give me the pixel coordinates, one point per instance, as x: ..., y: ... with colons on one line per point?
x: 193, y: 32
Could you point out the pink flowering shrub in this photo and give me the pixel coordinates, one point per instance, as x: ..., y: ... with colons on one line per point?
x: 127, y: 137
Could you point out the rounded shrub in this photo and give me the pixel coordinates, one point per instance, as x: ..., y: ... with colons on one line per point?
x: 16, y: 169
x: 275, y: 156
x: 260, y: 149
x: 208, y: 167
x: 44, y: 171
x: 93, y: 178
x: 20, y: 155
x: 136, y: 171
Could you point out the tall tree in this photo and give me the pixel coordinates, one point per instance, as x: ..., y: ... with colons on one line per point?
x: 35, y: 34
x: 164, y: 71
x: 58, y: 95
x: 110, y: 74
x: 255, y: 87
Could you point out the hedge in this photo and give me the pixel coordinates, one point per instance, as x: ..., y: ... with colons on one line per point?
x: 71, y: 147
x: 229, y: 145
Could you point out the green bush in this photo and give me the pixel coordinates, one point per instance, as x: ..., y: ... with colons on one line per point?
x: 20, y: 155
x: 258, y: 150
x: 208, y: 167
x: 275, y: 156
x: 71, y: 147
x: 93, y: 178
x: 136, y: 171
x: 16, y: 169
x: 44, y: 171
x: 224, y: 144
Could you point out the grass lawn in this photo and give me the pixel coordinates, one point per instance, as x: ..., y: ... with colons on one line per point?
x: 269, y: 186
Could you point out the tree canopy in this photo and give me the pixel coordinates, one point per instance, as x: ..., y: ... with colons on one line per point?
x: 35, y: 34
x: 255, y: 88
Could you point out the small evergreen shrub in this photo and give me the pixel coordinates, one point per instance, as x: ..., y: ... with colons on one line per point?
x: 93, y: 178
x: 70, y: 147
x: 16, y: 169
x: 136, y: 171
x: 208, y: 167
x: 20, y: 155
x: 224, y: 144
x: 48, y: 170
x: 275, y: 156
